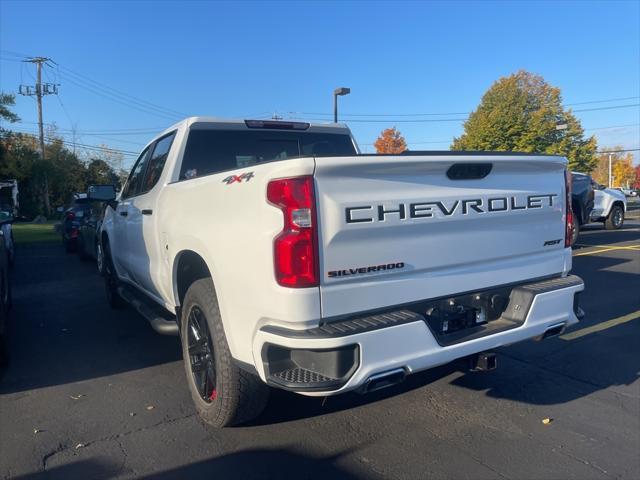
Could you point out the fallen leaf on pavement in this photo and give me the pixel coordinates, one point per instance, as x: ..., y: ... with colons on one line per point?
x: 78, y: 397
x: 547, y: 421
x: 150, y: 407
x: 37, y: 430
x: 80, y: 445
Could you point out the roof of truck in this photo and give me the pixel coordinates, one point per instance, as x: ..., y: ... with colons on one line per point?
x: 237, y: 122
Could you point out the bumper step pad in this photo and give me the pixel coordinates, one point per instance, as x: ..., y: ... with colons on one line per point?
x: 301, y: 376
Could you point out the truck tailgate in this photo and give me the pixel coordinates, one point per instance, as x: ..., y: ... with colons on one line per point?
x: 399, y: 229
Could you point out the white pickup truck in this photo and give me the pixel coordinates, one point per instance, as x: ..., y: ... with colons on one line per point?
x: 283, y: 257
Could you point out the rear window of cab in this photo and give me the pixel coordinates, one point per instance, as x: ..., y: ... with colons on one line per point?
x: 214, y: 151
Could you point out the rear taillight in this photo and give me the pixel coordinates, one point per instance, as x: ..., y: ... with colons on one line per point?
x: 295, y: 249
x: 568, y: 235
x: 70, y: 215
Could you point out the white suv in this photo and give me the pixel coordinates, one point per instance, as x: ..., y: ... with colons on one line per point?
x: 609, y: 207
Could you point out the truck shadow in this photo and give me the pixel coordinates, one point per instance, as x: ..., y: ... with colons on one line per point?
x: 244, y: 464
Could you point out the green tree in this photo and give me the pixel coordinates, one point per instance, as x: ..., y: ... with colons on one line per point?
x: 65, y: 171
x: 521, y: 113
x: 100, y: 172
x: 7, y: 100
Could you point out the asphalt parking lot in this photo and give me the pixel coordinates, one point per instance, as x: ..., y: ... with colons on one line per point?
x: 94, y: 393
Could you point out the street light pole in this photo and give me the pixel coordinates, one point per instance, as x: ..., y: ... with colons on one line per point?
x: 610, y: 179
x: 338, y: 92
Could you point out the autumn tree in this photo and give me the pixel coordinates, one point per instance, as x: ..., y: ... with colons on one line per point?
x: 521, y: 113
x: 390, y: 141
x: 623, y: 173
x: 636, y: 182
x: 600, y: 172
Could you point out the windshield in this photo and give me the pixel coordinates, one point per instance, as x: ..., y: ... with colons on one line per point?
x: 213, y: 151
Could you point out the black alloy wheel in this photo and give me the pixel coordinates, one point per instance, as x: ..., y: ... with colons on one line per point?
x: 201, y: 355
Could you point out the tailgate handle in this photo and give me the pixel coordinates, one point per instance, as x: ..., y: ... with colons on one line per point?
x: 469, y: 171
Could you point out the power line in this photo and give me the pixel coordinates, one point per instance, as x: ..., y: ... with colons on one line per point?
x: 86, y: 82
x: 120, y: 93
x: 120, y: 101
x: 78, y: 144
x: 620, y: 151
x: 619, y: 99
x: 607, y: 108
x: 435, y: 120
x: 613, y: 126
x: 133, y: 131
x: 452, y: 113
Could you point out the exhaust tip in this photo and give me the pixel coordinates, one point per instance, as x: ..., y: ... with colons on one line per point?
x: 384, y: 380
x: 553, y: 331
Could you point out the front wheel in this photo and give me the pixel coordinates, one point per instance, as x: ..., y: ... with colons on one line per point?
x: 615, y: 220
x: 223, y: 394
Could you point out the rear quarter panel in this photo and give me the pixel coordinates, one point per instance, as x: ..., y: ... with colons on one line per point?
x: 232, y: 227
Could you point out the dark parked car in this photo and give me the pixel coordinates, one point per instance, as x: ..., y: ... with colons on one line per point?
x: 88, y: 241
x: 582, y: 197
x: 71, y: 220
x: 6, y: 218
x: 5, y: 292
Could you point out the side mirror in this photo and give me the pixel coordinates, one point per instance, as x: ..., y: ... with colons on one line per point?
x: 101, y: 193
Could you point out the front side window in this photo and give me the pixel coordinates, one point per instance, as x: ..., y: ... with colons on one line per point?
x: 213, y: 151
x: 156, y: 161
x: 135, y: 177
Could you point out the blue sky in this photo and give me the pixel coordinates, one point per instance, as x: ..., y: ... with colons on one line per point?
x: 250, y: 59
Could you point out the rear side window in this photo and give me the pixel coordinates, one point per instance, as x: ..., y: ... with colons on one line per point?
x: 157, y: 161
x: 213, y: 151
x: 135, y: 177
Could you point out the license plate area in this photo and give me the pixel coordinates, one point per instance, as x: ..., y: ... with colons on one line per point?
x: 464, y: 317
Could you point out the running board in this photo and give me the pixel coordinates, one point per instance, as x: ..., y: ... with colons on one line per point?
x: 161, y: 321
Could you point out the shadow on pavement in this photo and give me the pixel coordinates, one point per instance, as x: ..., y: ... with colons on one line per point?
x: 61, y: 329
x: 246, y: 464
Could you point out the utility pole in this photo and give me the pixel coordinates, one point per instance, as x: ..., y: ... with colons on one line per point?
x: 610, y: 179
x: 39, y: 90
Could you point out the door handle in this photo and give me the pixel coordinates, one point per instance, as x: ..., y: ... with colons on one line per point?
x: 124, y: 213
x: 147, y: 211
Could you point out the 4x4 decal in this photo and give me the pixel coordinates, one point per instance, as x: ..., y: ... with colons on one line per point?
x: 238, y: 178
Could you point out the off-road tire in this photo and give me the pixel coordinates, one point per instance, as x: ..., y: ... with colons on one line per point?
x: 615, y: 220
x: 68, y: 246
x: 239, y: 395
x: 576, y: 230
x: 99, y: 258
x: 82, y: 252
x: 114, y: 299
